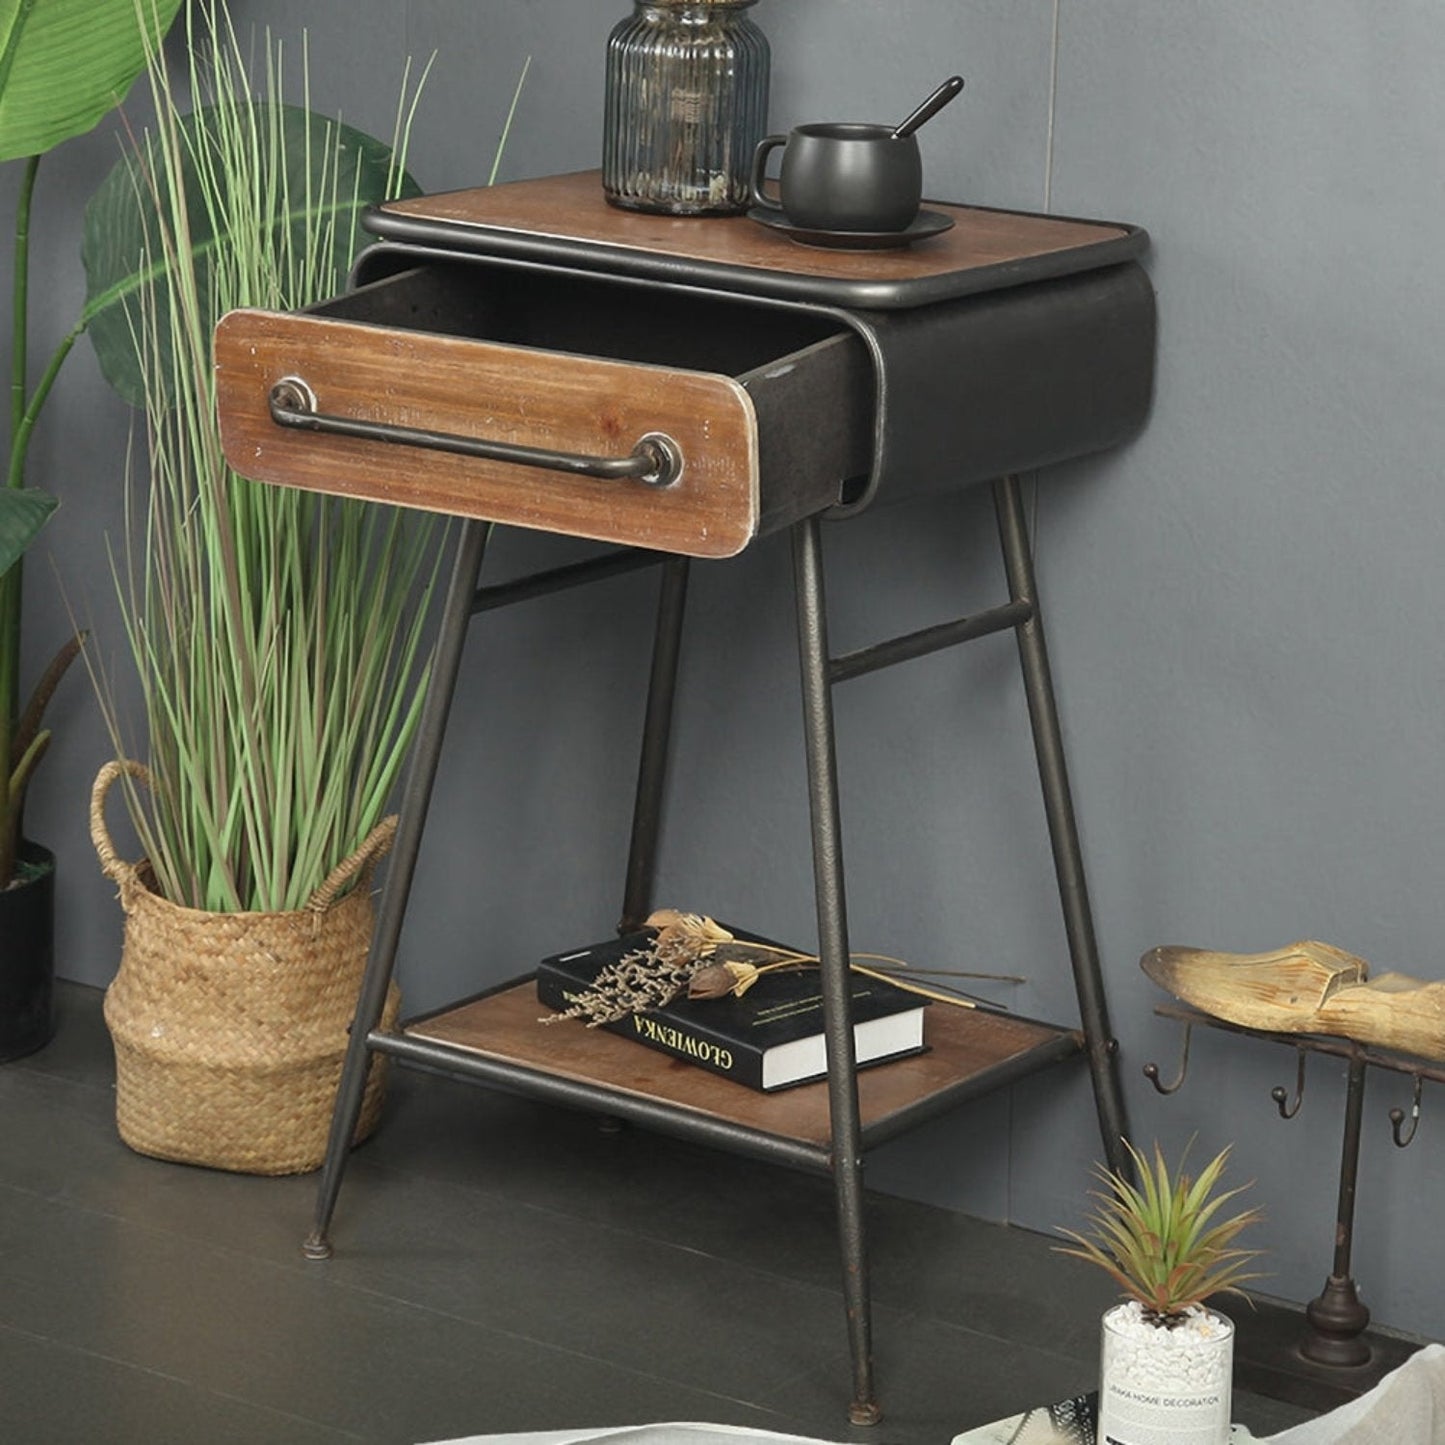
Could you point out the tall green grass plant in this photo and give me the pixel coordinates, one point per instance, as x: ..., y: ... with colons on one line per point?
x: 279, y: 636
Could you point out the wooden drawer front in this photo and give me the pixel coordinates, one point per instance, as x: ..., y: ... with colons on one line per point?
x: 463, y: 387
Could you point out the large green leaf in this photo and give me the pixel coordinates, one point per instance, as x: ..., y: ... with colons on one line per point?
x: 66, y: 63
x: 22, y: 515
x: 125, y: 219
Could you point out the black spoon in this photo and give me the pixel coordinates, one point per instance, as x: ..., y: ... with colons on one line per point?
x: 930, y: 107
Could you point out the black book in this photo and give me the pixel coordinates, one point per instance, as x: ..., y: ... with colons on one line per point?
x: 770, y: 1038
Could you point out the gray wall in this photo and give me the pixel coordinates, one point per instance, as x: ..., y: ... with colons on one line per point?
x: 1242, y: 603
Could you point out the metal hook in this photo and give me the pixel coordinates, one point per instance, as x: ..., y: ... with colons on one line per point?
x: 1151, y: 1071
x: 1281, y: 1097
x: 1397, y: 1117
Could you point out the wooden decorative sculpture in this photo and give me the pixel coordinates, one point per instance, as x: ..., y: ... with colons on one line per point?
x: 1307, y: 988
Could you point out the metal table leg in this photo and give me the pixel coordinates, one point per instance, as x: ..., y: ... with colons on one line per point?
x: 381, y: 962
x: 1063, y: 829
x: 656, y: 735
x: 847, y: 1147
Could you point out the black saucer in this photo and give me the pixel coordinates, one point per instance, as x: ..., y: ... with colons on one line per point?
x: 925, y: 224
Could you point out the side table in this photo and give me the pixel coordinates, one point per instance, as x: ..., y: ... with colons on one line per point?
x: 677, y: 388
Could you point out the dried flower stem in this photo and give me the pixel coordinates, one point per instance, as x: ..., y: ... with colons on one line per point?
x: 649, y: 977
x: 793, y: 958
x: 684, y: 956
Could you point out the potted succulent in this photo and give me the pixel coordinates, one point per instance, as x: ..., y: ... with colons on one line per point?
x: 1167, y: 1356
x: 63, y: 66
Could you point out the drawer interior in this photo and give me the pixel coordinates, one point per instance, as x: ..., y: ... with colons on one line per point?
x: 587, y: 316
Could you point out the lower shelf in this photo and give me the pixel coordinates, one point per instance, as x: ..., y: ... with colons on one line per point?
x: 499, y: 1037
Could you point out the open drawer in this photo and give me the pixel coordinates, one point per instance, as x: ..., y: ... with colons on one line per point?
x: 632, y: 413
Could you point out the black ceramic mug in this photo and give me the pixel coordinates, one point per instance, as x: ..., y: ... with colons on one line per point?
x: 843, y: 176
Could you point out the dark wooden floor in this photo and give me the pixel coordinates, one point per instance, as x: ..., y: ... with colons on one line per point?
x: 500, y: 1266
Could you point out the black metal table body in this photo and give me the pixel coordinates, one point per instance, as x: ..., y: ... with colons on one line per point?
x: 1058, y: 354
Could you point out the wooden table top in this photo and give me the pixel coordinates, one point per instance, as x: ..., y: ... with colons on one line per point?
x: 567, y: 217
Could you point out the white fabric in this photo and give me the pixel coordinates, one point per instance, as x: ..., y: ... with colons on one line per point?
x: 1407, y: 1407
x: 671, y: 1434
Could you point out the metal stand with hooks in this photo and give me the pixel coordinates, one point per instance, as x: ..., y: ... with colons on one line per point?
x: 1336, y: 1319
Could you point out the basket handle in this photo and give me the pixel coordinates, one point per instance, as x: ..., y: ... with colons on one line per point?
x: 360, y: 865
x: 124, y: 874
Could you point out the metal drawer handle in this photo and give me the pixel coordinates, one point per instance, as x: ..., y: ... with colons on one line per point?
x: 656, y: 459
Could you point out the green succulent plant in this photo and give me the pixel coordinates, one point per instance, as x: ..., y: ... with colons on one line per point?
x: 1161, y: 1240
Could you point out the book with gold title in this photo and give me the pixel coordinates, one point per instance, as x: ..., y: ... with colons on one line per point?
x: 770, y: 1038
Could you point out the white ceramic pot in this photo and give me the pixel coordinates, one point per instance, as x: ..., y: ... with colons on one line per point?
x: 1160, y: 1386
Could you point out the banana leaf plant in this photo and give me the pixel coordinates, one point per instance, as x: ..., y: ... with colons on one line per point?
x: 64, y: 65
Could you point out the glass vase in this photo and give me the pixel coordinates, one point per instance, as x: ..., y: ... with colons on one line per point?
x: 686, y: 105
x: 1162, y: 1386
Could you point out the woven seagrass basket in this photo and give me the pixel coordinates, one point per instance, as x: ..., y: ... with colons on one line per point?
x: 230, y: 1028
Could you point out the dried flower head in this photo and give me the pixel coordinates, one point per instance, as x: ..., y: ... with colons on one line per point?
x: 718, y: 980
x: 687, y: 936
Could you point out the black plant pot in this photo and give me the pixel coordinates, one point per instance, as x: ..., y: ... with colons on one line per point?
x: 27, y: 957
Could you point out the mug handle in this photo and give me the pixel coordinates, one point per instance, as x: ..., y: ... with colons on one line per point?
x: 760, y: 164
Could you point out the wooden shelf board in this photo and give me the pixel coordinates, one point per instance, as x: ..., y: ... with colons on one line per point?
x: 566, y: 218
x: 572, y: 207
x: 969, y: 1051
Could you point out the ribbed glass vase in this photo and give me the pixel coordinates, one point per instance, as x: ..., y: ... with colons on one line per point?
x: 687, y: 104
